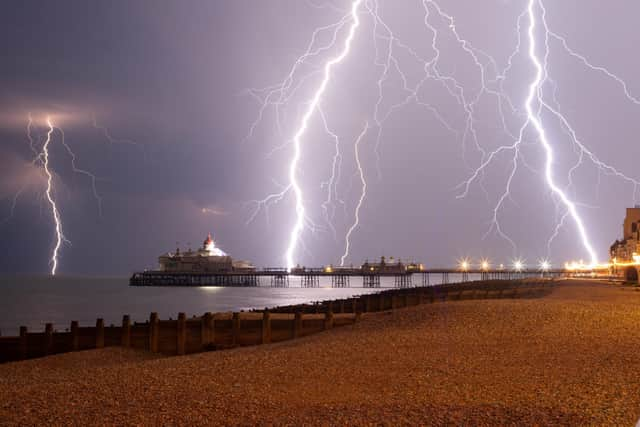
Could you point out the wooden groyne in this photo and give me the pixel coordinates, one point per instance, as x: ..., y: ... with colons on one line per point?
x: 214, y: 331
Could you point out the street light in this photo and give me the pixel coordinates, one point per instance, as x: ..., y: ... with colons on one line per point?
x: 518, y: 265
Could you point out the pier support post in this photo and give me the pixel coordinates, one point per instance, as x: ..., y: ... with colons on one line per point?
x: 23, y: 342
x: 126, y: 331
x: 48, y: 339
x: 99, y: 333
x: 297, y: 324
x: 266, y: 327
x: 153, y: 332
x: 75, y: 339
x: 181, y: 343
x: 328, y: 320
x: 235, y: 328
x: 207, y: 333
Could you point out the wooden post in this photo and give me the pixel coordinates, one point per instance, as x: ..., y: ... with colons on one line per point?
x: 235, y: 328
x: 207, y: 330
x: 328, y: 320
x: 369, y: 304
x: 99, y: 333
x: 154, y: 328
x: 381, y: 301
x: 75, y: 339
x: 48, y: 339
x: 297, y: 324
x: 342, y: 306
x: 358, y: 316
x: 394, y: 302
x: 24, y: 345
x: 354, y: 304
x: 126, y: 331
x: 266, y: 327
x: 181, y: 343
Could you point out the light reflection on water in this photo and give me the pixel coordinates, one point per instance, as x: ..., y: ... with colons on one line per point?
x: 33, y: 301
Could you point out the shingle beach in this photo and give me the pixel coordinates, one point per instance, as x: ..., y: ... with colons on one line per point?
x: 571, y: 357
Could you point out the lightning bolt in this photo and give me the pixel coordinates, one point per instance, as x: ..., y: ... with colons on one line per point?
x: 297, y: 139
x: 363, y: 194
x: 78, y: 170
x: 32, y: 142
x: 107, y: 134
x: 534, y: 119
x: 489, y: 79
x: 42, y: 159
x: 332, y: 183
x: 51, y: 200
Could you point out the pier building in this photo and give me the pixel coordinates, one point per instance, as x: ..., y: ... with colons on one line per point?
x: 207, y: 259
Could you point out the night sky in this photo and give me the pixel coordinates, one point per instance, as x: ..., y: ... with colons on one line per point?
x: 172, y: 77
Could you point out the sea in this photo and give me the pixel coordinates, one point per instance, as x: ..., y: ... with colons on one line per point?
x: 33, y: 301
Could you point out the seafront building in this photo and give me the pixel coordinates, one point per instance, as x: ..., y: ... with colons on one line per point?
x: 625, y: 253
x: 627, y: 249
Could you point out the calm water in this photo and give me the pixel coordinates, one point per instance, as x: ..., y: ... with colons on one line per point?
x: 33, y: 301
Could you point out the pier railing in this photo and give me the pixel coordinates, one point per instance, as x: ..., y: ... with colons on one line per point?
x: 215, y: 331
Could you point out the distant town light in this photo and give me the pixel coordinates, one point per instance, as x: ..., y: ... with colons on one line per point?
x: 485, y: 265
x: 464, y: 265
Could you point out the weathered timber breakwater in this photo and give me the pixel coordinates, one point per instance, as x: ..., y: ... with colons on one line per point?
x: 215, y: 331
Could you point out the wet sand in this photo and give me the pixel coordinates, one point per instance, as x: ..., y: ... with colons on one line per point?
x: 572, y: 357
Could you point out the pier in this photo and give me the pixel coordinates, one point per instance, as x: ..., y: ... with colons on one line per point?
x: 338, y: 278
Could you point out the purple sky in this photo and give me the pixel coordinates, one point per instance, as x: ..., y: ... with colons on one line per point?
x: 171, y: 76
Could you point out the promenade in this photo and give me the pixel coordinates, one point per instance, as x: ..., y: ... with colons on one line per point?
x: 570, y: 357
